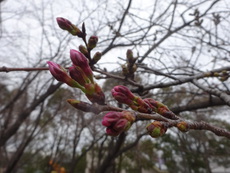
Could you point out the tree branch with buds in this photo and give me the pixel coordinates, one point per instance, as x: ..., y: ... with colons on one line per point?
x: 117, y: 120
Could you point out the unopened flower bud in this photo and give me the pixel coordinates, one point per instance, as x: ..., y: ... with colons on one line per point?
x: 96, y: 57
x: 67, y: 25
x: 182, y: 126
x: 83, y: 50
x: 78, y: 75
x: 129, y: 56
x: 160, y: 108
x: 125, y: 70
x: 117, y: 122
x: 152, y: 103
x: 123, y: 95
x: 156, y: 129
x: 92, y: 42
x: 61, y: 74
x: 81, y: 61
x: 122, y: 90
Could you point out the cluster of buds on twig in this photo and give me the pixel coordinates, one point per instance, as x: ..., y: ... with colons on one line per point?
x: 222, y: 76
x: 129, y: 68
x: 75, y: 31
x: 91, y: 44
x: 123, y: 95
x: 80, y: 73
x: 118, y: 122
x: 80, y: 76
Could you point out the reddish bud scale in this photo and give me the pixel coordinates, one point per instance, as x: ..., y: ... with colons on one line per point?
x: 160, y: 108
x: 94, y: 93
x: 142, y: 106
x: 182, y: 126
x: 156, y: 129
x: 117, y: 122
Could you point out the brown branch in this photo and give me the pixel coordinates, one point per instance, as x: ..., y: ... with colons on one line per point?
x: 214, y: 101
x: 184, y: 80
x: 109, y: 75
x: 171, y: 32
x: 225, y: 97
x: 206, y: 126
x: 7, y: 69
x: 95, y: 108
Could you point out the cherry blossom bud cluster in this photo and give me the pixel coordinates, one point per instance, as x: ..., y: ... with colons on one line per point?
x: 80, y: 76
x: 129, y: 67
x: 160, y: 108
x: 118, y: 122
x: 123, y: 95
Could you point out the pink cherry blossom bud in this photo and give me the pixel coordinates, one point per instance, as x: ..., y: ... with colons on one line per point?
x: 78, y: 75
x: 123, y: 95
x: 121, y: 125
x: 67, y: 25
x: 123, y: 90
x: 117, y: 122
x: 122, y: 98
x: 92, y: 42
x: 61, y: 74
x: 110, y: 118
x: 156, y: 129
x: 152, y: 103
x: 81, y: 61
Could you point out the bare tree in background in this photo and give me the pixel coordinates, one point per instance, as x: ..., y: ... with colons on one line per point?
x: 182, y: 50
